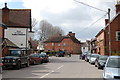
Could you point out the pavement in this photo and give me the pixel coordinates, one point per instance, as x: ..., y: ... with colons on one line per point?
x: 58, y: 67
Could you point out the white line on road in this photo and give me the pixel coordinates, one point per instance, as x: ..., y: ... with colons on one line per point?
x: 51, y: 72
x: 60, y: 67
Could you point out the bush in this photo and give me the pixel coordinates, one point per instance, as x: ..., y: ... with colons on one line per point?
x: 115, y: 54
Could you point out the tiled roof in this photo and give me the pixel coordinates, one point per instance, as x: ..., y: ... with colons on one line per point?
x: 55, y: 39
x: 74, y: 39
x: 9, y: 43
x: 60, y: 38
x: 18, y: 17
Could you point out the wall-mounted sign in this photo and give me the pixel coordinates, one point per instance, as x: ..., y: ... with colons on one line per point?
x: 18, y: 33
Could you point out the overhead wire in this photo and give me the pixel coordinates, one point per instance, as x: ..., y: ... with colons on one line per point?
x: 90, y: 6
x: 93, y: 23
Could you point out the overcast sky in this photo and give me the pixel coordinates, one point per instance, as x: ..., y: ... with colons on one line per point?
x: 68, y: 14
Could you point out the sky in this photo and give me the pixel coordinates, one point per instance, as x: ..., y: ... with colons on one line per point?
x: 68, y: 14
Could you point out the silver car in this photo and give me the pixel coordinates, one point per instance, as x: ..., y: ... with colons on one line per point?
x: 112, y: 68
x: 93, y: 58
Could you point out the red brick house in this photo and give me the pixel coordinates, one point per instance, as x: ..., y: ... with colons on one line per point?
x: 68, y: 43
x: 103, y: 37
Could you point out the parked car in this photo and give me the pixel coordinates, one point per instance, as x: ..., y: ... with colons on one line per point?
x: 93, y: 57
x: 82, y: 56
x: 16, y: 58
x: 35, y: 59
x: 100, y: 61
x: 112, y: 68
x: 60, y: 53
x: 44, y: 57
x: 87, y: 57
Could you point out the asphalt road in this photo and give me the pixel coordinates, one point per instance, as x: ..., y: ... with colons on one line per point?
x: 58, y: 67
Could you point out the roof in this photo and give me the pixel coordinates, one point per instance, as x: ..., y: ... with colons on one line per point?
x: 8, y: 43
x: 58, y: 39
x: 17, y: 17
x: 55, y: 39
x: 108, y: 24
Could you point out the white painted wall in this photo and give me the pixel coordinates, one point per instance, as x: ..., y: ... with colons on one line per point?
x: 19, y: 38
x: 84, y: 49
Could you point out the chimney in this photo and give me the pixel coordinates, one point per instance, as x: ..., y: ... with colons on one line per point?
x: 5, y: 14
x: 118, y: 7
x: 71, y: 34
x: 106, y: 21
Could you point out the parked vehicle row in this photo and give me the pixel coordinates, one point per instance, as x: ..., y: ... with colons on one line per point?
x: 18, y: 57
x: 94, y: 59
x: 110, y: 64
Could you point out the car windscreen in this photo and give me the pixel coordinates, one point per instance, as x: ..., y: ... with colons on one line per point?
x: 103, y: 57
x: 94, y: 55
x: 15, y: 53
x: 113, y: 63
x: 33, y: 55
x: 42, y: 55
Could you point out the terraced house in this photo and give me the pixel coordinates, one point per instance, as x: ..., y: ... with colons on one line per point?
x: 68, y: 43
x: 103, y: 36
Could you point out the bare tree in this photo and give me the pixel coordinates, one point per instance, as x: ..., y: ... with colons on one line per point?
x: 34, y: 23
x: 47, y: 30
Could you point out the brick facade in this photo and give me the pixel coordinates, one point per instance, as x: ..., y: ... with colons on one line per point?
x: 103, y: 36
x: 67, y: 44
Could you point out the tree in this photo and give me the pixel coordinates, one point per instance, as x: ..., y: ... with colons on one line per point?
x: 34, y: 23
x: 47, y: 30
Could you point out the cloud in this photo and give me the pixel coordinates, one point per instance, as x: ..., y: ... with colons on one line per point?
x: 72, y: 16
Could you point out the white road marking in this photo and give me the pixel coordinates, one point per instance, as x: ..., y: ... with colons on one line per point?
x: 60, y: 67
x: 51, y: 72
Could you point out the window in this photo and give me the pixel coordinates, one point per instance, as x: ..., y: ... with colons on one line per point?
x: 46, y: 44
x: 58, y: 44
x: 64, y: 44
x: 118, y: 35
x: 52, y: 44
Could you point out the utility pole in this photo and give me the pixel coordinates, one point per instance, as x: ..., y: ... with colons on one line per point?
x: 109, y: 33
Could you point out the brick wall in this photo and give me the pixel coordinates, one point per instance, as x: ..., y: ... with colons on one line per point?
x: 66, y: 44
x: 115, y: 45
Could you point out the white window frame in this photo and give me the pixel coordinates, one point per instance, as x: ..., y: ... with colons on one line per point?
x: 46, y: 44
x: 117, y: 35
x: 52, y: 44
x: 59, y: 44
x: 64, y: 44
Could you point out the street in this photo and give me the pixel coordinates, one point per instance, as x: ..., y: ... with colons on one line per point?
x: 58, y: 67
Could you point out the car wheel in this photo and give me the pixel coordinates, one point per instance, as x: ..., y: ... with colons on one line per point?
x: 98, y: 67
x: 95, y: 64
x: 34, y: 62
x: 28, y: 64
x: 18, y: 66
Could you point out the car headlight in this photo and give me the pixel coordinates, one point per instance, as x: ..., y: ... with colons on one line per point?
x: 101, y: 63
x: 13, y: 60
x: 108, y: 75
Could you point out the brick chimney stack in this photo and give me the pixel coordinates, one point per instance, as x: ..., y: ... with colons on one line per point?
x: 118, y: 7
x: 5, y: 14
x: 71, y: 34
